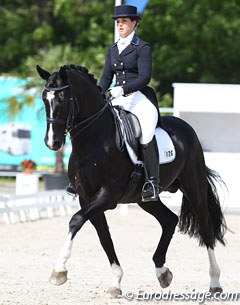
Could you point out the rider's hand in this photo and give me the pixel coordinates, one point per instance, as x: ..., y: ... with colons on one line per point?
x: 116, y: 91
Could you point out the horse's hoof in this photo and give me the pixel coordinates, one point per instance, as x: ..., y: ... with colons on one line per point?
x: 215, y: 289
x: 165, y: 278
x: 58, y: 278
x: 114, y: 292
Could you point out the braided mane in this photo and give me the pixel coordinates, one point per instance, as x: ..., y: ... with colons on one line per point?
x: 83, y: 70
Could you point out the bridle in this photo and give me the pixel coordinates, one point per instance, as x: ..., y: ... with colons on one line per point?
x: 57, y: 120
x: 71, y: 129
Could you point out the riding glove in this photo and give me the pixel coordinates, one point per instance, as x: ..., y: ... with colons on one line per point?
x: 116, y: 91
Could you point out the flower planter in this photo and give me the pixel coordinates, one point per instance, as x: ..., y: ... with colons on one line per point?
x: 28, y: 171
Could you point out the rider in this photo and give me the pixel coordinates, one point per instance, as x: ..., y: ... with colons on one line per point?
x: 129, y: 60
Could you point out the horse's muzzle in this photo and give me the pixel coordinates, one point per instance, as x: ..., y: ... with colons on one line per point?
x: 53, y: 145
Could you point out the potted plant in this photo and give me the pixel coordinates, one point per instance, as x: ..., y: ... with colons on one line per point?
x: 28, y: 166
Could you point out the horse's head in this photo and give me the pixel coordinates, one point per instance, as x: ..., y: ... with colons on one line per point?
x: 73, y: 102
x: 56, y: 96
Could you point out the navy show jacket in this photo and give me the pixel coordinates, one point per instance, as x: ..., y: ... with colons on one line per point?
x: 132, y: 67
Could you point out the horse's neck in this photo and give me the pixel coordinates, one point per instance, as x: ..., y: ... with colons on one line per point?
x: 88, y: 99
x: 100, y: 131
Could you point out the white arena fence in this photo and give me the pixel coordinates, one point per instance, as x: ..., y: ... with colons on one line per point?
x: 31, y: 207
x: 56, y: 203
x: 48, y: 204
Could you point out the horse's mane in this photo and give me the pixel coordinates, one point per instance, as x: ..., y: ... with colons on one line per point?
x: 83, y: 70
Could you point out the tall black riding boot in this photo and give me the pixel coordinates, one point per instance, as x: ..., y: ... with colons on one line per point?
x: 151, y: 188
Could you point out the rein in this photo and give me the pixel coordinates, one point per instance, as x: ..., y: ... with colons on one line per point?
x: 89, y: 121
x: 69, y: 128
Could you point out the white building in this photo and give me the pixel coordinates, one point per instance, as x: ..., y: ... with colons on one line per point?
x: 213, y: 110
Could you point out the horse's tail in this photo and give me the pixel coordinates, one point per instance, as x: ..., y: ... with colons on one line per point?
x: 189, y: 222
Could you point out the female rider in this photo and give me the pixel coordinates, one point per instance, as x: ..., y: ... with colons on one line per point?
x: 129, y: 60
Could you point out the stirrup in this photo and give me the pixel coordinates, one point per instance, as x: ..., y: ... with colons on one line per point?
x: 150, y: 191
x: 71, y: 191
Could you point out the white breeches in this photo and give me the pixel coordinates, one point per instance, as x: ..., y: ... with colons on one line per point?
x: 145, y: 111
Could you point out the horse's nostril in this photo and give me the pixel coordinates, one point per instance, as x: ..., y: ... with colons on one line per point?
x: 56, y: 145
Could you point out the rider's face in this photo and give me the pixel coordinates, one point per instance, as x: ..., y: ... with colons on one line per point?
x: 125, y: 26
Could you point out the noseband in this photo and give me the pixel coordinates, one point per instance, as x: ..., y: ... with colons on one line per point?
x: 70, y: 128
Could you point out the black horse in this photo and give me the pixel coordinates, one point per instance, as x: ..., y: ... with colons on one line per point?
x: 101, y: 174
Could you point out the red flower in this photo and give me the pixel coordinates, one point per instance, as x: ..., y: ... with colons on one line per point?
x: 30, y: 164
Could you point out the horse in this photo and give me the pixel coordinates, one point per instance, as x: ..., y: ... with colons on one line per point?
x: 100, y: 173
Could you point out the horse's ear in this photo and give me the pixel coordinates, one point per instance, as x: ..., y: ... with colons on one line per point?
x: 43, y: 73
x: 63, y: 74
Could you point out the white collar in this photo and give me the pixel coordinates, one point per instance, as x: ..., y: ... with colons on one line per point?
x: 126, y: 40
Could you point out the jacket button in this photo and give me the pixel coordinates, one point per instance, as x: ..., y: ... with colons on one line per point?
x: 115, y: 65
x: 124, y: 82
x: 121, y: 63
x: 117, y: 83
x: 123, y: 72
x: 117, y: 73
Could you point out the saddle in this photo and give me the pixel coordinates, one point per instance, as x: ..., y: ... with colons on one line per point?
x: 128, y: 132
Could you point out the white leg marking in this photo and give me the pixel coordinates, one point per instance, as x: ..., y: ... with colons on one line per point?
x: 64, y: 254
x: 160, y: 271
x: 117, y: 274
x: 214, y: 269
x: 50, y: 96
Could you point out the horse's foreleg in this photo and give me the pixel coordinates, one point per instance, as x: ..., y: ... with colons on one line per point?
x: 214, y: 272
x: 59, y: 274
x: 101, y: 226
x: 168, y: 220
x: 97, y: 205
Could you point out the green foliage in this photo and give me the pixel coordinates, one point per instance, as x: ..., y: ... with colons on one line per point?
x: 12, y: 106
x: 192, y: 41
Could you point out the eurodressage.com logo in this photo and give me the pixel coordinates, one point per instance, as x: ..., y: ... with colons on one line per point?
x: 199, y: 297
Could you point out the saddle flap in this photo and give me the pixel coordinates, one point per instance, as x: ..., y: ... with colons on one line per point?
x: 131, y: 129
x: 135, y: 125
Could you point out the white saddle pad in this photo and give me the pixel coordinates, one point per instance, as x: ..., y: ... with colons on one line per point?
x: 167, y: 152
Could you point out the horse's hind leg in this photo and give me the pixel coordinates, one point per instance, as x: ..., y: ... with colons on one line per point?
x: 168, y: 220
x: 101, y: 226
x: 214, y: 272
x: 197, y: 220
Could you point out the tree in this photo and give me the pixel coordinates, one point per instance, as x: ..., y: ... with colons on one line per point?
x: 193, y: 41
x: 62, y: 32
x: 39, y: 26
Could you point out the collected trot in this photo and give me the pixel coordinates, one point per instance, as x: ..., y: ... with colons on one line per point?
x: 101, y: 173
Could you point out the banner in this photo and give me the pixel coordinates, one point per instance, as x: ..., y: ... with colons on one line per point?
x: 140, y: 4
x: 22, y: 137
